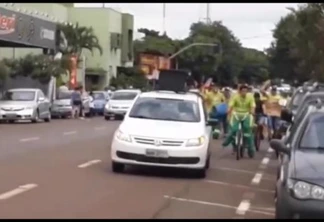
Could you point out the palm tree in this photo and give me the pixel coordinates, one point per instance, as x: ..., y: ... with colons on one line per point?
x: 80, y: 38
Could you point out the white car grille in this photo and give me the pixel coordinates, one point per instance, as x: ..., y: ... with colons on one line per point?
x: 158, y: 142
x: 12, y: 109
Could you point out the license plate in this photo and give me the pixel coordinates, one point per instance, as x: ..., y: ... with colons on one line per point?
x: 157, y: 153
x: 10, y: 114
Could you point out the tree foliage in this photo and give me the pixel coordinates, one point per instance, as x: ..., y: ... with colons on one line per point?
x: 226, y: 65
x: 297, y: 53
x: 129, y: 77
x: 80, y: 38
x: 40, y: 67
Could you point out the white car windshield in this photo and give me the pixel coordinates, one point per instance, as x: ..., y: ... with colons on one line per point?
x: 313, y: 135
x: 19, y: 96
x: 166, y: 109
x: 124, y: 95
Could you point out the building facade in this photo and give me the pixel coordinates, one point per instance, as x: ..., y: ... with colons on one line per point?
x: 113, y: 29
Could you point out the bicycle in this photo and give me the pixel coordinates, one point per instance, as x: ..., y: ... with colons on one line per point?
x: 240, y: 142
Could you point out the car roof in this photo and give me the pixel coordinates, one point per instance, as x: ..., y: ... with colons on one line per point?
x: 24, y: 89
x: 128, y: 90
x: 190, y: 96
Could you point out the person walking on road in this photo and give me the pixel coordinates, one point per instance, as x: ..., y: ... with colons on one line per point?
x: 76, y: 102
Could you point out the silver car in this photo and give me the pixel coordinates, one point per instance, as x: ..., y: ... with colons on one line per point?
x: 120, y: 102
x: 25, y: 104
x: 62, y: 108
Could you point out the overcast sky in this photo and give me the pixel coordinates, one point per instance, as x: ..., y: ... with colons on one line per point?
x: 252, y: 23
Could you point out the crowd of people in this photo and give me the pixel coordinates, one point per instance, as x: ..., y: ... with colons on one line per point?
x: 247, y: 105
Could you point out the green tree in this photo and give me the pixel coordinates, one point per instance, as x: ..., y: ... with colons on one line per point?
x: 255, y: 66
x: 223, y: 66
x: 297, y: 53
x: 80, y: 38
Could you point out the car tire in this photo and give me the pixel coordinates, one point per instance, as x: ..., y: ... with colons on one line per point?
x: 48, y: 118
x: 36, y: 117
x: 208, y: 162
x: 117, y: 167
x: 11, y: 121
x: 200, y: 173
x: 107, y: 118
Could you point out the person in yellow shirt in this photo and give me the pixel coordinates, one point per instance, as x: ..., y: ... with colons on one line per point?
x: 273, y: 110
x: 241, y: 109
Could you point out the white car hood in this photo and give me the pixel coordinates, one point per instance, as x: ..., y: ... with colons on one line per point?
x: 161, y: 129
x: 118, y: 103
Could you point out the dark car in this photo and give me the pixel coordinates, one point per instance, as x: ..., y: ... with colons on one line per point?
x: 300, y: 182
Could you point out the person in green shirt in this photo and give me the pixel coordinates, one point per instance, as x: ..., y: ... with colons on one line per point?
x: 241, y: 108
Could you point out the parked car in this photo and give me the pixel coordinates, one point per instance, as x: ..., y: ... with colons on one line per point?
x: 300, y: 188
x: 100, y: 99
x: 120, y: 102
x: 62, y: 108
x: 24, y: 104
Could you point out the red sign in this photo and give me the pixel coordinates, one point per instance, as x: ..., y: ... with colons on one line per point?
x: 73, y: 71
x: 7, y: 24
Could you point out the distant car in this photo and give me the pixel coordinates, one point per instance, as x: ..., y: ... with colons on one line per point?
x: 299, y: 190
x: 164, y: 129
x: 100, y: 99
x: 62, y: 108
x: 25, y: 104
x: 120, y: 102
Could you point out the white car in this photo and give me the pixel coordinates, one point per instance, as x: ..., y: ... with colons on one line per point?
x: 120, y: 102
x: 163, y: 129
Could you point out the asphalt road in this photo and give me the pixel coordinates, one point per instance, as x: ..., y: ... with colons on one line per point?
x: 62, y: 170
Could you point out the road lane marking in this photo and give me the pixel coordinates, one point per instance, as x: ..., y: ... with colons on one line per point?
x: 243, y: 207
x: 270, y: 150
x: 214, y: 204
x: 265, y: 161
x: 263, y: 208
x: 19, y: 190
x: 265, y: 176
x: 256, y: 179
x: 237, y: 186
x: 89, y: 163
x: 69, y: 133
x: 100, y: 128
x: 29, y: 139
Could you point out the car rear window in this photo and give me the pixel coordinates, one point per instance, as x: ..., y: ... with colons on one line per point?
x: 124, y: 95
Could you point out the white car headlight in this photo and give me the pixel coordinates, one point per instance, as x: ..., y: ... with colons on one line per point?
x: 303, y: 190
x: 196, y: 141
x: 123, y: 136
x: 107, y: 106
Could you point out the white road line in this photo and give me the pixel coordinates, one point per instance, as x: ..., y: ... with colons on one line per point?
x: 265, y: 176
x: 100, y: 128
x: 89, y: 163
x: 243, y: 207
x: 213, y: 204
x: 265, y: 161
x: 270, y: 150
x: 19, y: 190
x: 238, y: 186
x: 29, y: 139
x: 263, y: 208
x: 69, y: 133
x: 256, y: 179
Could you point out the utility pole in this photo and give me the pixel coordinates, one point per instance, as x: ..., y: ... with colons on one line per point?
x: 163, y: 17
x: 208, y: 21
